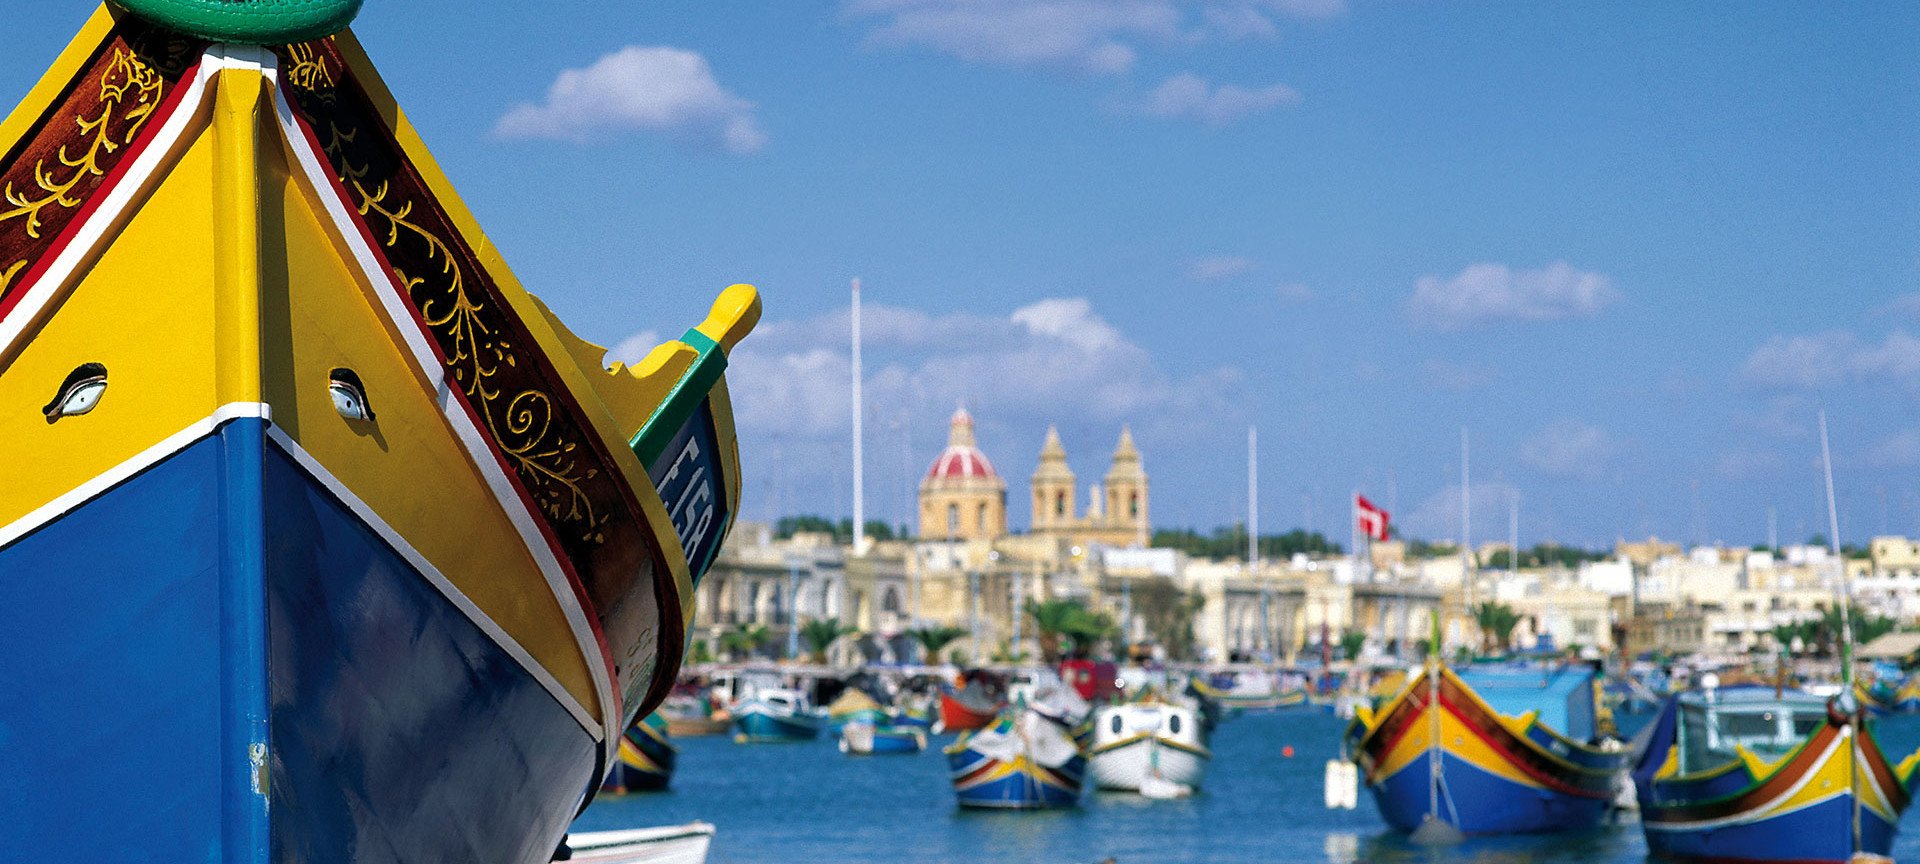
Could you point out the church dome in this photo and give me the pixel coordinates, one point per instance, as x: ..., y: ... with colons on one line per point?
x: 962, y: 460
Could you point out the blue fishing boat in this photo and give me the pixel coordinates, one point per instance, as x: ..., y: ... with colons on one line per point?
x: 1750, y: 774
x: 645, y: 762
x: 1488, y: 751
x: 872, y: 739
x: 303, y: 491
x: 773, y: 715
x: 853, y: 705
x: 1023, y: 760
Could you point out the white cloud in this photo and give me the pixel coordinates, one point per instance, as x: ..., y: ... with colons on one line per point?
x: 1742, y: 465
x: 1437, y: 517
x: 633, y: 348
x: 1293, y: 293
x: 1056, y: 360
x: 1187, y: 96
x: 1906, y: 307
x: 639, y: 89
x: 1095, y: 36
x: 1833, y: 357
x: 1487, y: 292
x: 1217, y: 267
x: 1570, y: 448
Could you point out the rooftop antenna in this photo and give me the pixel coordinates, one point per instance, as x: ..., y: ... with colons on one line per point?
x: 859, y: 454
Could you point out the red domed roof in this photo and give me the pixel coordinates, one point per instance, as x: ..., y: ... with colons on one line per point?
x: 961, y: 459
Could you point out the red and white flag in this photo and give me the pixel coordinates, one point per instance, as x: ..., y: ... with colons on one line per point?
x: 1372, y: 520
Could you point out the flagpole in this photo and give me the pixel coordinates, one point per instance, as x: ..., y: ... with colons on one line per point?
x: 859, y: 460
x: 1466, y: 541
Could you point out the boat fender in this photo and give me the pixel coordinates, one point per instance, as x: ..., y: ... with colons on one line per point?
x: 248, y: 22
x: 1341, y: 785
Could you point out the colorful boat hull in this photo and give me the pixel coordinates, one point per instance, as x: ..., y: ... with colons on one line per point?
x: 646, y: 759
x: 958, y: 715
x: 325, y: 505
x: 1800, y: 808
x: 1497, y: 775
x: 756, y: 722
x: 1010, y: 776
x: 867, y: 739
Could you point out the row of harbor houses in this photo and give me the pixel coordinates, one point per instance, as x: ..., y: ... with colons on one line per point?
x: 968, y: 570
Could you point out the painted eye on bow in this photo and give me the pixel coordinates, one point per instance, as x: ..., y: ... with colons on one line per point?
x: 78, y: 394
x: 349, y: 396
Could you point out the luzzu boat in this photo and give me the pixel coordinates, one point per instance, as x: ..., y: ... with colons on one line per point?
x: 1907, y: 699
x: 974, y: 705
x: 1745, y: 774
x: 1023, y: 760
x: 853, y: 705
x: 866, y: 738
x: 300, y: 483
x: 1487, y: 752
x: 646, y: 757
x: 1246, y: 694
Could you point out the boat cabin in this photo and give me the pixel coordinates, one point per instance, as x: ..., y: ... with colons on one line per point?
x: 1714, y: 723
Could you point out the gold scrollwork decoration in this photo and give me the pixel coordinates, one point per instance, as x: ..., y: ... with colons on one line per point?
x: 126, y: 77
x: 475, y: 350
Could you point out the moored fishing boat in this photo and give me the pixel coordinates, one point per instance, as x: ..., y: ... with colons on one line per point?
x: 1148, y: 739
x: 863, y: 738
x: 646, y: 757
x: 1751, y: 774
x: 1439, y: 752
x: 1024, y: 760
x: 978, y: 700
x: 853, y: 705
x: 1239, y: 693
x: 1907, y: 699
x: 378, y: 554
x: 773, y: 715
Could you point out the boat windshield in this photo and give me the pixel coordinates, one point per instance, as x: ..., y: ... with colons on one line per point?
x: 1710, y: 731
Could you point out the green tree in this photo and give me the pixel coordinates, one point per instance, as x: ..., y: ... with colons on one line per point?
x: 842, y: 530
x: 699, y: 652
x: 743, y: 640
x: 1068, y: 624
x: 1496, y: 622
x: 933, y: 639
x: 820, y: 633
x: 1351, y: 643
x: 1167, y: 613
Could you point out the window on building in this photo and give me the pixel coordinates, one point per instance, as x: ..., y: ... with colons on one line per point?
x: 980, y: 519
x: 953, y: 519
x: 1133, y: 505
x: 1059, y: 503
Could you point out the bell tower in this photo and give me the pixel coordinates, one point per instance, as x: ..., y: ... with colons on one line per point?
x: 1053, y: 487
x: 1126, y: 491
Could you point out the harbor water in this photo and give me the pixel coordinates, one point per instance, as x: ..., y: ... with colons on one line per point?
x: 780, y: 803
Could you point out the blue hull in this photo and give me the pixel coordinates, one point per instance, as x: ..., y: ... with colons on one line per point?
x: 1022, y: 789
x: 221, y: 624
x: 1822, y: 832
x: 766, y: 728
x: 891, y: 743
x: 1479, y: 802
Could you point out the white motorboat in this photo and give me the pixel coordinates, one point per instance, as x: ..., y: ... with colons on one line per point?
x: 1148, y: 746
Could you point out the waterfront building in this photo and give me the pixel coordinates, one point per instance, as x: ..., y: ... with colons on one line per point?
x: 962, y: 497
x: 1117, y: 509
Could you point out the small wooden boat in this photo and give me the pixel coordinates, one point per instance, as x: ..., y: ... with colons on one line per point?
x: 1146, y: 740
x: 980, y: 698
x: 697, y: 726
x: 1751, y: 774
x: 1024, y: 760
x: 645, y: 763
x: 921, y: 717
x: 773, y: 715
x: 870, y: 739
x: 1246, y: 694
x: 675, y: 844
x: 853, y: 705
x: 371, y: 549
x: 1506, y: 755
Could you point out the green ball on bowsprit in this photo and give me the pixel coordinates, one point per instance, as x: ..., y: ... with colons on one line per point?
x: 249, y: 22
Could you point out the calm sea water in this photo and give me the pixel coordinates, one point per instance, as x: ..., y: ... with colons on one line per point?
x: 782, y: 803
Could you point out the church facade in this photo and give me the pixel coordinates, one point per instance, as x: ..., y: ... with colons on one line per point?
x: 962, y: 497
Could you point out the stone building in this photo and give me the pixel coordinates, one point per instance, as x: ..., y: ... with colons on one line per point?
x: 962, y: 497
x: 1116, y: 514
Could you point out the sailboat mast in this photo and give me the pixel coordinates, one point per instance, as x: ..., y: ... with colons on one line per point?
x: 1466, y: 531
x: 859, y: 454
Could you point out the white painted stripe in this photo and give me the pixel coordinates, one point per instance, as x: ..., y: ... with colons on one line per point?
x: 419, y: 562
x: 318, y: 174
x: 108, y: 479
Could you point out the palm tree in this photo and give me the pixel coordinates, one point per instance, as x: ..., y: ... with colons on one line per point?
x: 1496, y: 621
x: 820, y: 634
x: 740, y: 642
x: 1088, y: 629
x: 1054, y: 619
x: 934, y: 639
x: 1351, y: 643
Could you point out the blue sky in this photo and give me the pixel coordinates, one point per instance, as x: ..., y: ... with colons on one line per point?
x: 1632, y: 246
